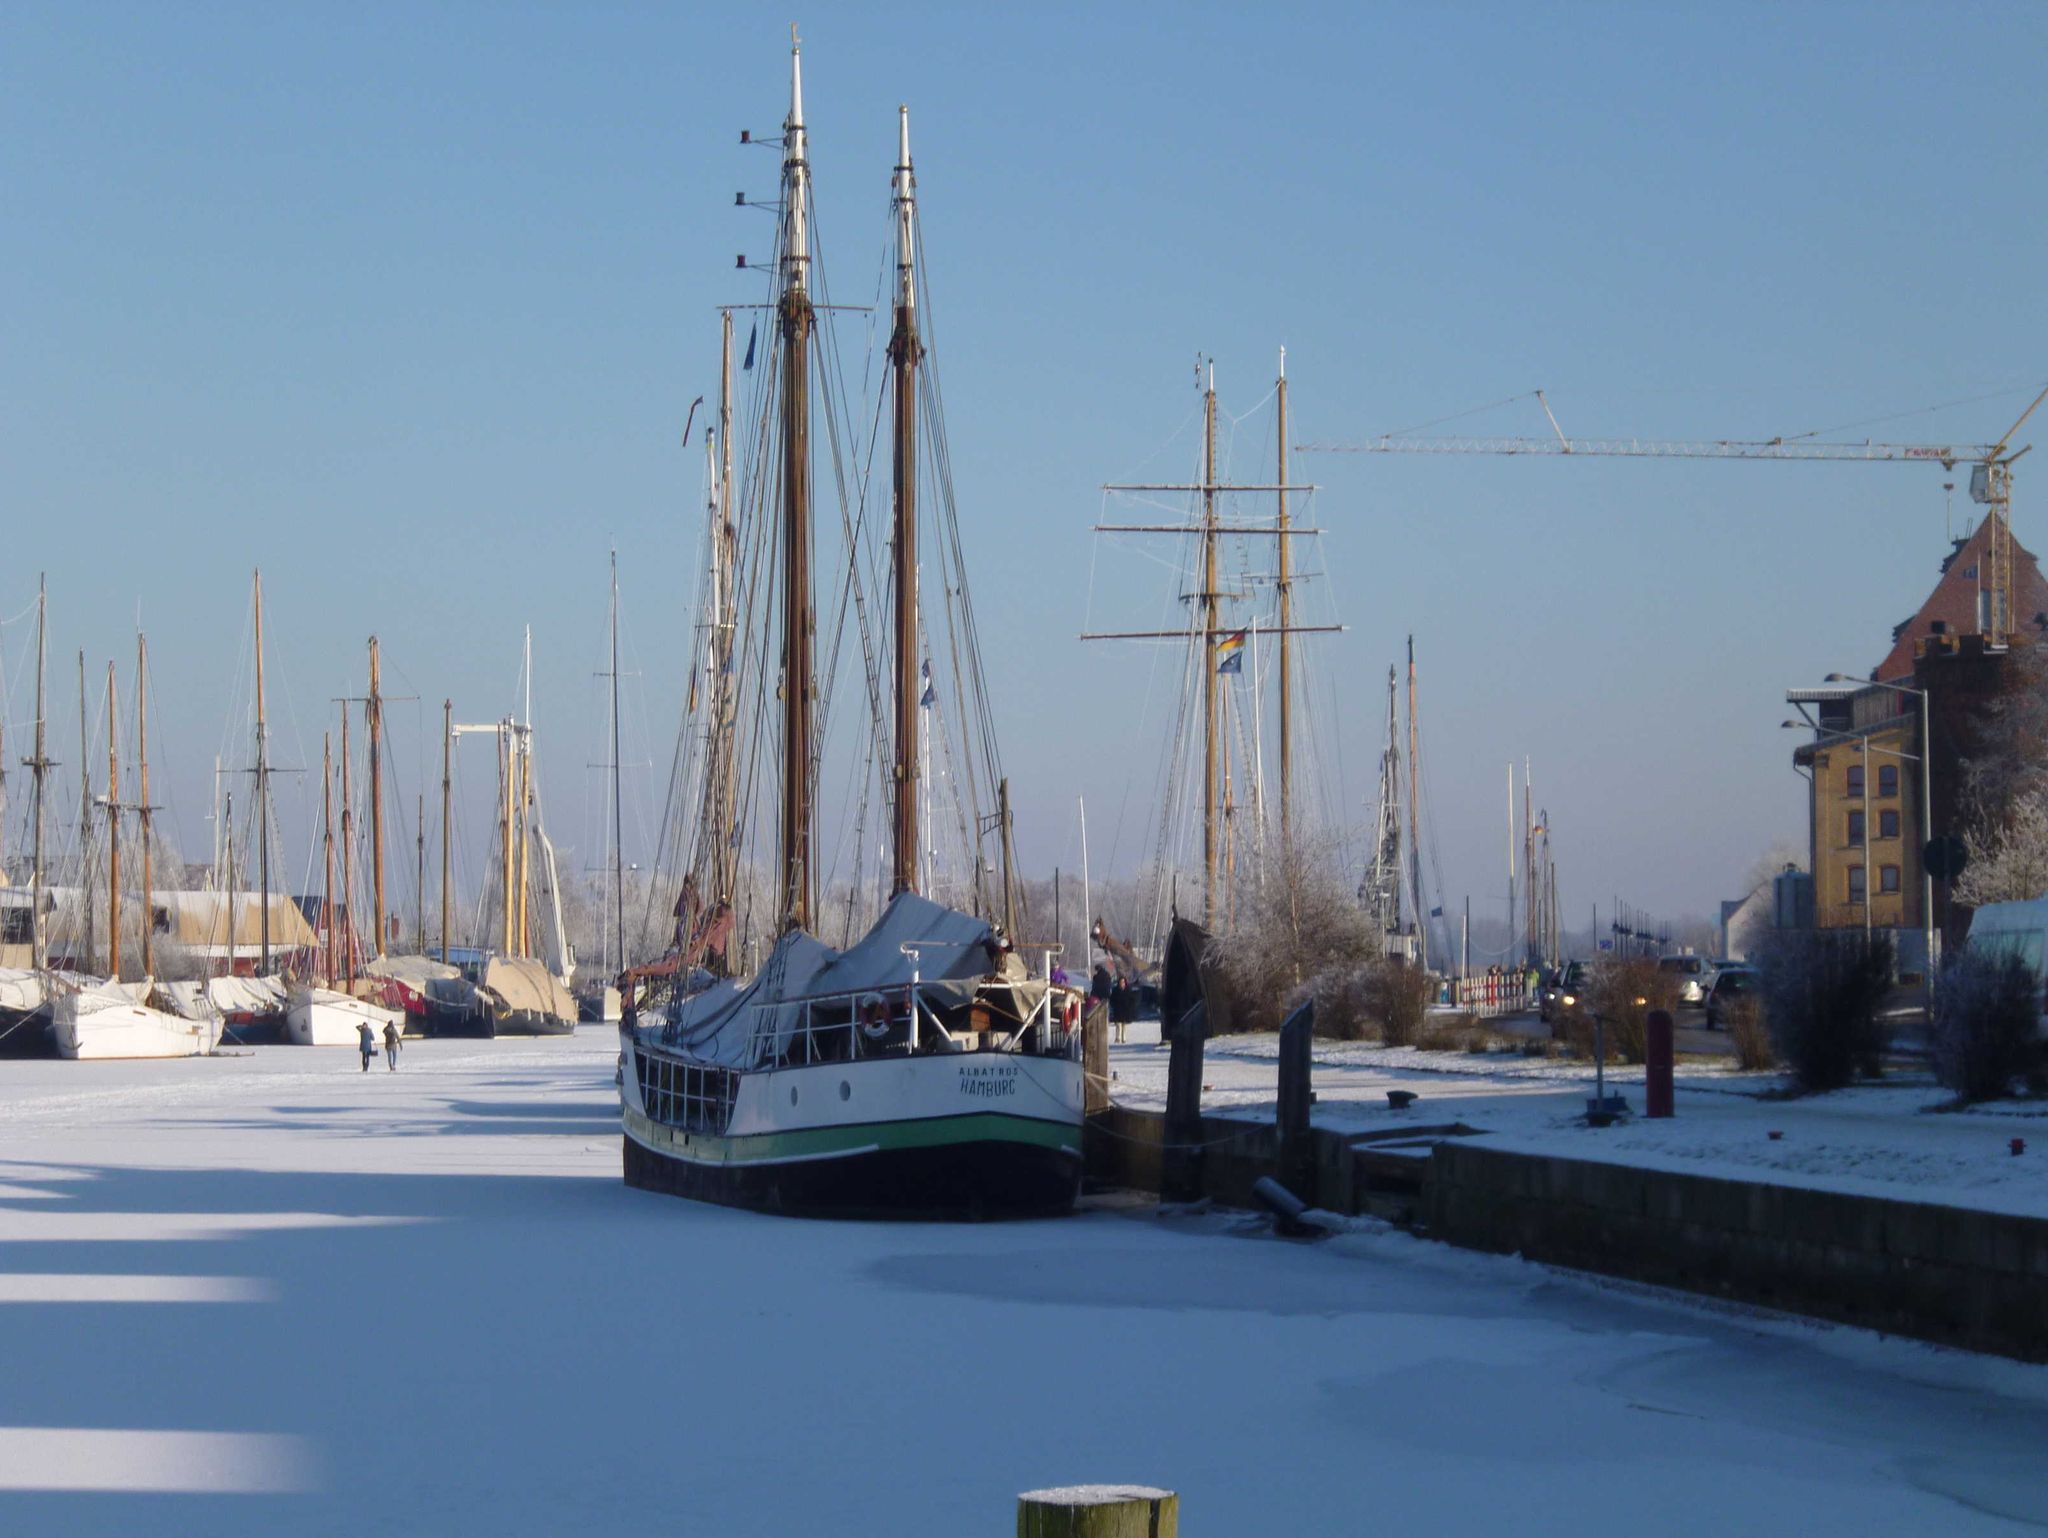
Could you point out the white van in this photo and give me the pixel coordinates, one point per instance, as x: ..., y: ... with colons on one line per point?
x: 2016, y: 929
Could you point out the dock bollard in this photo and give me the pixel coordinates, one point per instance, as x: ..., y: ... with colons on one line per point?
x: 1657, y: 1064
x: 1098, y: 1511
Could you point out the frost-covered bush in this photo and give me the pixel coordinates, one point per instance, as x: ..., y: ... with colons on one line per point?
x: 1821, y: 990
x: 1750, y: 1035
x: 1622, y: 993
x: 1297, y: 934
x: 1985, y: 1015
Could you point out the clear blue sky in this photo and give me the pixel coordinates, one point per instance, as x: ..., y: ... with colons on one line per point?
x: 407, y: 304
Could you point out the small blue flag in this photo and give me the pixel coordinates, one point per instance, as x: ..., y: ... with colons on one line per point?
x: 1234, y: 663
x: 930, y: 696
x: 751, y: 335
x: 1436, y: 913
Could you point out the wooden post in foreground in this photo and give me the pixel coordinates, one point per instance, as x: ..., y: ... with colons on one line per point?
x: 1098, y: 1511
x: 1297, y: 1145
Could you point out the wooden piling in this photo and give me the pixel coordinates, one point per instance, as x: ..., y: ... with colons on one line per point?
x: 1098, y: 1511
x: 1297, y: 1147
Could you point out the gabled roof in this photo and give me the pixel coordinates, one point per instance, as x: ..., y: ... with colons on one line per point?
x: 1952, y: 605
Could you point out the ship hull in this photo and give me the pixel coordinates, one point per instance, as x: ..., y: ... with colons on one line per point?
x: 318, y: 1018
x: 127, y: 1031
x: 947, y: 1136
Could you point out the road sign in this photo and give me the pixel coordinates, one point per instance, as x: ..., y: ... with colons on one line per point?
x: 1945, y: 856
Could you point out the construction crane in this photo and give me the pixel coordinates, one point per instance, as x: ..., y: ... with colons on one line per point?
x: 1990, y: 474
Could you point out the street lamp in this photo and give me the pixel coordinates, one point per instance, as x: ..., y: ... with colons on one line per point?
x: 1926, y: 810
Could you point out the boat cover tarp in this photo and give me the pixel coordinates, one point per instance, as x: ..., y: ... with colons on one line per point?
x: 954, y: 955
x: 520, y: 985
x: 226, y: 996
x: 414, y: 971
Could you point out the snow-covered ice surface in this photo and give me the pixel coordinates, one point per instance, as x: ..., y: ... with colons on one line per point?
x: 271, y: 1294
x: 1877, y: 1140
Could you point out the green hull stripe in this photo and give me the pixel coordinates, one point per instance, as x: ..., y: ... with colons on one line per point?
x: 831, y: 1142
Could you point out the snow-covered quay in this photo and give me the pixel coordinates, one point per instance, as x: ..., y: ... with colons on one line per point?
x: 270, y: 1293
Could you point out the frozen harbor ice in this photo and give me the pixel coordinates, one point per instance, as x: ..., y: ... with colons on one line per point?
x: 270, y: 1293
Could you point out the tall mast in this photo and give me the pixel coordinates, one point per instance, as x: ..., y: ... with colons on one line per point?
x: 348, y: 859
x: 447, y: 755
x: 1009, y: 863
x: 1210, y: 636
x: 373, y: 708
x: 522, y: 746
x: 113, y: 835
x: 618, y: 816
x: 142, y: 797
x: 1285, y: 587
x: 39, y: 767
x: 1415, y: 816
x: 724, y: 538
x: 419, y: 877
x: 505, y: 833
x: 327, y: 852
x: 794, y: 318
x: 905, y: 351
x: 263, y: 790
x: 85, y: 809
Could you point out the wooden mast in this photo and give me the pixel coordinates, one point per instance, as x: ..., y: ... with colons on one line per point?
x: 419, y: 878
x: 794, y: 319
x: 725, y: 857
x: 522, y: 747
x: 1210, y: 636
x: 1009, y: 862
x: 1415, y: 819
x: 327, y: 853
x: 618, y: 814
x: 373, y: 708
x: 262, y: 795
x: 1285, y: 587
x: 505, y: 832
x: 447, y: 755
x: 85, y: 810
x: 905, y: 351
x: 348, y: 859
x: 142, y: 798
x: 39, y: 767
x: 113, y: 835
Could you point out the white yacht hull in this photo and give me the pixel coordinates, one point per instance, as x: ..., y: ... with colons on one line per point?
x: 317, y: 1017
x: 86, y: 1027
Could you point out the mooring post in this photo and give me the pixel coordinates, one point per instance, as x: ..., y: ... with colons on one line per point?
x: 1659, y: 1052
x: 1297, y: 1147
x: 1180, y: 1165
x: 1094, y: 1058
x: 1099, y: 1511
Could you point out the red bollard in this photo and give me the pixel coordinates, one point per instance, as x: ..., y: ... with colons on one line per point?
x: 1658, y: 1054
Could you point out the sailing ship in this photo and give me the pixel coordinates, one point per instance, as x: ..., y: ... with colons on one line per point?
x: 918, y: 1070
x: 1219, y: 638
x: 112, y: 1018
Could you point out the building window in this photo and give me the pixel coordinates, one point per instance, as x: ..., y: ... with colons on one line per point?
x: 1887, y: 779
x: 1888, y: 823
x: 1855, y: 829
x: 1855, y: 780
x: 1855, y: 883
x: 17, y: 926
x: 1887, y: 878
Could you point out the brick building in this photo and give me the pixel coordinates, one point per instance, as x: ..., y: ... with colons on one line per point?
x: 1866, y: 830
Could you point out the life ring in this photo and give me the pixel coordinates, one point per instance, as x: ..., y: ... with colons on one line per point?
x: 874, y: 1016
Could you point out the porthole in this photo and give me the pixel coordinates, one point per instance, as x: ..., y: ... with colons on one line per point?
x: 845, y: 1090
x: 792, y: 1094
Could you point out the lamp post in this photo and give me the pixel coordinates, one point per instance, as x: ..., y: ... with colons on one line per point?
x: 1926, y: 811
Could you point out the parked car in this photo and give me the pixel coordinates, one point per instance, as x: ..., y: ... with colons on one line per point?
x: 1570, y: 978
x: 1694, y: 974
x: 1730, y: 984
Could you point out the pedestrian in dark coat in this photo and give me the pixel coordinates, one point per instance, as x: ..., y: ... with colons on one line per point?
x: 366, y: 1043
x: 391, y: 1043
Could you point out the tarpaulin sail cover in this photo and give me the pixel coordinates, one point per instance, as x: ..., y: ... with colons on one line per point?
x: 738, y: 1025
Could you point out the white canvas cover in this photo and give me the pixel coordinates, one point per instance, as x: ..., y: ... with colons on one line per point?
x: 737, y: 1025
x: 220, y: 997
x: 414, y: 971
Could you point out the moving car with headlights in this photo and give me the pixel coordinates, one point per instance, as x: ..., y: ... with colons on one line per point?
x: 1731, y: 983
x: 1694, y: 976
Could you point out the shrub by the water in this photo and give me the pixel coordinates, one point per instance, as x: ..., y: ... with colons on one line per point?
x: 1985, y: 1018
x: 1820, y: 990
x: 1618, y: 1002
x: 1750, y: 1035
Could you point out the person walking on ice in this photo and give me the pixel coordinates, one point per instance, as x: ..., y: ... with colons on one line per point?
x: 366, y: 1043
x: 391, y: 1043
